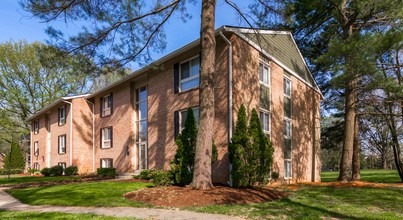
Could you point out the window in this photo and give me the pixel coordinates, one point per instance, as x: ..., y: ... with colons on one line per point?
x: 184, y: 115
x: 287, y: 129
x: 189, y: 74
x: 106, y: 163
x: 62, y: 164
x: 36, y: 148
x: 287, y: 87
x: 106, y: 137
x: 62, y: 115
x: 62, y: 144
x: 141, y: 111
x: 36, y: 126
x: 265, y: 120
x: 106, y: 105
x: 37, y: 166
x: 264, y: 73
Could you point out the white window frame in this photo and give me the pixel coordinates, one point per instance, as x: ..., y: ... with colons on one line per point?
x: 288, y: 162
x: 36, y: 126
x: 105, y: 102
x: 37, y: 166
x: 103, y: 140
x: 288, y: 169
x: 107, y: 161
x: 269, y: 117
x: 185, y: 110
x: 36, y: 148
x: 285, y: 80
x: 62, y: 144
x: 267, y: 65
x: 190, y: 77
x: 62, y: 117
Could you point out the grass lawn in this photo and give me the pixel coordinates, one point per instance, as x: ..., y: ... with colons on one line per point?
x: 316, y: 202
x: 16, y: 179
x: 107, y: 193
x: 376, y: 176
x: 51, y: 215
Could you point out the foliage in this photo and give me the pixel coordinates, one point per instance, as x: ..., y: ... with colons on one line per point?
x: 145, y: 175
x: 12, y: 171
x: 15, y: 160
x: 162, y: 178
x: 93, y: 194
x: 183, y: 163
x: 251, y: 153
x: 71, y: 170
x: 46, y: 171
x: 56, y: 170
x: 32, y: 75
x: 109, y: 172
x: 214, y: 153
x: 275, y: 176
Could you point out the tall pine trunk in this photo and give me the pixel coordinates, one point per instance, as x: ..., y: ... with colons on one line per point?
x: 356, y: 152
x: 202, y: 169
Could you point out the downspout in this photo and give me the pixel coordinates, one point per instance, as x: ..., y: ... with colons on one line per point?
x: 229, y: 97
x: 71, y: 131
x: 93, y: 134
x: 229, y: 86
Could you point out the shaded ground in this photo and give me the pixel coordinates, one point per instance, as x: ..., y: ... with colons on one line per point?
x: 56, y: 182
x: 174, y: 196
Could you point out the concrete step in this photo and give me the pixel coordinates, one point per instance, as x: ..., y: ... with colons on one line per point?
x: 124, y: 176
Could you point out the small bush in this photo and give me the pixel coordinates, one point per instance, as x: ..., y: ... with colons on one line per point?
x: 56, y: 170
x: 162, y: 178
x: 106, y: 172
x: 12, y: 171
x: 145, y: 175
x: 71, y: 170
x: 275, y: 176
x: 45, y: 171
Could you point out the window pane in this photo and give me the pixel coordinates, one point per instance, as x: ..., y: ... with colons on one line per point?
x: 197, y: 115
x: 287, y: 148
x: 261, y: 72
x: 143, y: 94
x: 195, y: 66
x: 287, y: 107
x: 143, y: 156
x: 190, y: 84
x: 266, y: 75
x: 185, y: 70
x: 143, y: 110
x: 184, y: 115
x: 287, y: 87
x: 287, y: 128
x: 143, y: 130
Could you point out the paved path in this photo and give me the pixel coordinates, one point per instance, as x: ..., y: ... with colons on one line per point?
x: 8, y: 202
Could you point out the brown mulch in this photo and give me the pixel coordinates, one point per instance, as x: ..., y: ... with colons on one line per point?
x: 174, y: 196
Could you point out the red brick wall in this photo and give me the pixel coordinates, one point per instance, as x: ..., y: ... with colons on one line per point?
x: 41, y: 138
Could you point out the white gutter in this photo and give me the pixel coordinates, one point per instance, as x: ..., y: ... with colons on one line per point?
x: 71, y: 131
x: 229, y: 86
x: 93, y: 134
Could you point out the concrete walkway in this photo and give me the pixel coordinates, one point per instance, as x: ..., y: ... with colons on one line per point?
x: 8, y: 202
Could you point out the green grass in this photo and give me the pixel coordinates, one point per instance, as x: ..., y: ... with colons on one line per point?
x: 314, y: 202
x: 108, y: 193
x: 376, y: 176
x: 51, y: 215
x: 15, y: 179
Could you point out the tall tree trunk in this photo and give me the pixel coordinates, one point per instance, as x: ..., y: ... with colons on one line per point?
x: 395, y: 143
x: 202, y: 169
x: 356, y: 152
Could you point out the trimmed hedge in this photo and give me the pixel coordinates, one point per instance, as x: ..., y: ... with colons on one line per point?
x: 162, y: 178
x: 56, y: 170
x: 106, y: 172
x: 145, y: 175
x: 71, y: 170
x: 12, y: 171
x: 45, y: 171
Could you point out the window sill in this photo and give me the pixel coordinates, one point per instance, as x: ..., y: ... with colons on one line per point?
x: 105, y: 148
x: 188, y: 90
x: 62, y: 153
x: 105, y: 116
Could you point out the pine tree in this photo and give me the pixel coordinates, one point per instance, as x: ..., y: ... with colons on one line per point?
x: 237, y: 149
x: 252, y: 150
x: 183, y: 164
x: 17, y: 160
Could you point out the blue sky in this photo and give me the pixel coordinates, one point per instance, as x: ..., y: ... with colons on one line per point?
x: 16, y: 24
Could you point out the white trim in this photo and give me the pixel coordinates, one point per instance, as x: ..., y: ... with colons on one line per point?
x: 252, y: 31
x: 269, y: 116
x: 265, y: 65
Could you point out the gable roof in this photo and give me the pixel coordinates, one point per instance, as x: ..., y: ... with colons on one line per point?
x: 281, y: 48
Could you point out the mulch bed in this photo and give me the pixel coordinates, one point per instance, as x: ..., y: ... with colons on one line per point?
x: 174, y: 196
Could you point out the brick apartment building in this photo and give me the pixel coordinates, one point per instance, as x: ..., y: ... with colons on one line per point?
x: 132, y: 123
